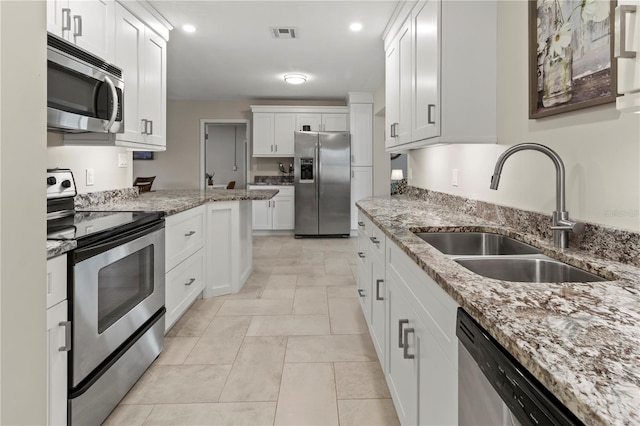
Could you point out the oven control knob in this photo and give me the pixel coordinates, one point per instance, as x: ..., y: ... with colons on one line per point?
x: 66, y: 183
x: 51, y: 180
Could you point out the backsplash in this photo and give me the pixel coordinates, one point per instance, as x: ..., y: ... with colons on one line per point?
x: 273, y: 180
x: 608, y: 243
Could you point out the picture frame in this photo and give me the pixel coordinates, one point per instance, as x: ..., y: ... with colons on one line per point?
x: 571, y: 60
x: 143, y: 155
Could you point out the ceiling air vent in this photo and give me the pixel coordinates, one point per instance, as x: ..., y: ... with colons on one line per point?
x: 284, y: 32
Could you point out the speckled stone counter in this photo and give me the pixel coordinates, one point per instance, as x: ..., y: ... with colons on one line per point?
x: 56, y: 248
x: 273, y: 180
x: 581, y: 340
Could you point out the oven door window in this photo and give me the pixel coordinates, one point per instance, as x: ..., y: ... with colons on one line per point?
x: 71, y: 91
x: 122, y: 285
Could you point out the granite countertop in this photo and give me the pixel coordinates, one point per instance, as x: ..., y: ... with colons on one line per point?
x: 581, y: 340
x: 168, y: 201
x: 271, y: 184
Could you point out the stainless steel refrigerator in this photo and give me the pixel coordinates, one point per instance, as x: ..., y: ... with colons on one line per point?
x: 322, y: 173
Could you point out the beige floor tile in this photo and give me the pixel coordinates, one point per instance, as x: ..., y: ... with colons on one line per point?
x: 369, y: 412
x: 256, y: 374
x: 326, y: 280
x: 311, y: 300
x: 337, y: 348
x: 228, y: 414
x: 196, y: 319
x: 289, y: 325
x: 298, y: 270
x: 257, y: 279
x: 360, y: 380
x: 337, y: 266
x: 247, y: 292
x: 221, y: 341
x: 279, y: 292
x: 176, y: 350
x: 342, y: 291
x: 275, y: 262
x: 346, y: 317
x: 166, y: 384
x: 307, y: 395
x: 256, y: 307
x: 130, y: 415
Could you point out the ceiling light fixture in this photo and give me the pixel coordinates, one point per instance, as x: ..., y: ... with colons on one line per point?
x: 355, y: 27
x: 188, y: 28
x: 295, y: 78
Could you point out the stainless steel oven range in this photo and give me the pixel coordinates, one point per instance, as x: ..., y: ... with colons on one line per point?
x: 116, y: 297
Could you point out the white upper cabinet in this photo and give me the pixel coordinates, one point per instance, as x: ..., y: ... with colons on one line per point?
x: 284, y: 127
x: 361, y: 125
x: 154, y: 99
x: 87, y: 24
x: 322, y: 122
x: 314, y: 121
x: 441, y: 87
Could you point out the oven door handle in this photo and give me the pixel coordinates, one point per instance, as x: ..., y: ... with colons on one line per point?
x: 84, y: 253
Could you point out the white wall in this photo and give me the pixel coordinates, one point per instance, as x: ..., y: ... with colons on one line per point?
x: 22, y: 212
x: 599, y: 146
x: 102, y: 159
x: 224, y: 142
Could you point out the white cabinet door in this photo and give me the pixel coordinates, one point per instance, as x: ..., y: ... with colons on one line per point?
x: 263, y: 133
x: 92, y: 26
x: 392, y: 94
x: 155, y: 89
x: 57, y: 364
x: 425, y: 109
x: 129, y: 53
x: 361, y: 125
x: 364, y: 272
x: 183, y: 284
x: 283, y: 213
x: 284, y: 126
x: 261, y: 214
x: 378, y: 308
x: 361, y: 187
x: 334, y: 122
x: 59, y: 18
x: 403, y: 130
x: 629, y: 66
x: 309, y: 119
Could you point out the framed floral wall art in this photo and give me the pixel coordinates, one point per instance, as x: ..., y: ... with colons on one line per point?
x: 571, y: 63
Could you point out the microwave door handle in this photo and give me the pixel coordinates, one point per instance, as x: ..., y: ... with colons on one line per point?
x: 114, y: 96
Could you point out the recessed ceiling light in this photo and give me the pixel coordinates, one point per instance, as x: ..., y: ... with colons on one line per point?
x: 356, y: 26
x: 188, y: 28
x: 295, y: 78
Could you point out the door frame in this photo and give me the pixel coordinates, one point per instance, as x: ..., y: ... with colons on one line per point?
x: 203, y: 160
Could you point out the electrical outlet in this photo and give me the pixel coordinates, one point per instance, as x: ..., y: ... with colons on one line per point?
x: 454, y: 177
x: 90, y: 177
x: 122, y: 160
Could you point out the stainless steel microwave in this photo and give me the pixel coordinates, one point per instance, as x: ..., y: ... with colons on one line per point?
x: 84, y: 93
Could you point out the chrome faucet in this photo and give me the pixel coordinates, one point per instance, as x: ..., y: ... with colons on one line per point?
x: 561, y: 224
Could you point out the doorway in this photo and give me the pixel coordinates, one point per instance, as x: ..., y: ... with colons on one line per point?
x: 224, y: 153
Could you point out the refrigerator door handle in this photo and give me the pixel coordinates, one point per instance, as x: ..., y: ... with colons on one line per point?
x: 317, y: 170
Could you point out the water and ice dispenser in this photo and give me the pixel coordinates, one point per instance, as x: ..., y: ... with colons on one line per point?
x: 306, y: 170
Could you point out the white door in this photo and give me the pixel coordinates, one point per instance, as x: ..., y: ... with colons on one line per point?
x: 308, y: 119
x: 284, y: 126
x: 155, y: 95
x: 57, y: 364
x: 403, y: 130
x: 92, y: 26
x: 261, y: 214
x: 334, y: 122
x: 392, y: 94
x: 364, y: 274
x: 378, y: 311
x: 361, y: 119
x: 283, y: 212
x: 129, y: 54
x: 361, y: 187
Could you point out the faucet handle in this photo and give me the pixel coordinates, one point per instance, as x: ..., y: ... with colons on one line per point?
x: 568, y: 225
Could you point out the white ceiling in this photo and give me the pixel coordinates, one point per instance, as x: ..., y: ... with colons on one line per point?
x: 233, y: 55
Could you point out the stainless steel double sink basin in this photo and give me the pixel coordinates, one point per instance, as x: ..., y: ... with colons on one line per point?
x: 504, y: 258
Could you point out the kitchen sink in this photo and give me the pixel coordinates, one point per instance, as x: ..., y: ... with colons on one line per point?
x: 475, y: 243
x: 533, y: 270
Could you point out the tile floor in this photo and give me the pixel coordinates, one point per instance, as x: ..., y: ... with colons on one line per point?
x: 292, y: 348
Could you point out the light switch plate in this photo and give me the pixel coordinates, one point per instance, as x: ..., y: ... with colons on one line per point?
x: 122, y: 160
x: 90, y: 177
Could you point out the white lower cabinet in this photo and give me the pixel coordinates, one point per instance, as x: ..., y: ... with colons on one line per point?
x: 361, y: 187
x: 58, y: 340
x: 183, y: 285
x: 278, y: 213
x: 412, y: 325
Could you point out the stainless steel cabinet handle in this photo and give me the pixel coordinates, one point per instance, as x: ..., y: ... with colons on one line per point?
x: 361, y: 292
x: 405, y: 348
x: 66, y: 19
x: 430, y: 119
x: 67, y: 336
x: 394, y: 130
x: 353, y: 158
x: 271, y: 148
x: 378, y: 282
x: 144, y: 126
x: 276, y: 147
x: 77, y: 21
x: 620, y: 35
x: 400, y: 324
x: 191, y: 281
x: 374, y: 240
x: 190, y: 233
x: 274, y: 204
x: 151, y: 126
x: 361, y: 255
x: 360, y: 223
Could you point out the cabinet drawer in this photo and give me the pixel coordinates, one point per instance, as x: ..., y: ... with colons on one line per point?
x: 184, y: 235
x: 435, y: 307
x: 56, y: 280
x: 183, y: 284
x: 377, y: 241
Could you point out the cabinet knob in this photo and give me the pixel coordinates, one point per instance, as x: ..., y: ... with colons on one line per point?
x: 378, y: 297
x: 190, y: 233
x: 361, y: 292
x: 405, y: 348
x: 361, y: 255
x: 191, y: 281
x: 401, y: 323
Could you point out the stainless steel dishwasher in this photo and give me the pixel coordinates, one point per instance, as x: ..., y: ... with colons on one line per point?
x: 495, y: 389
